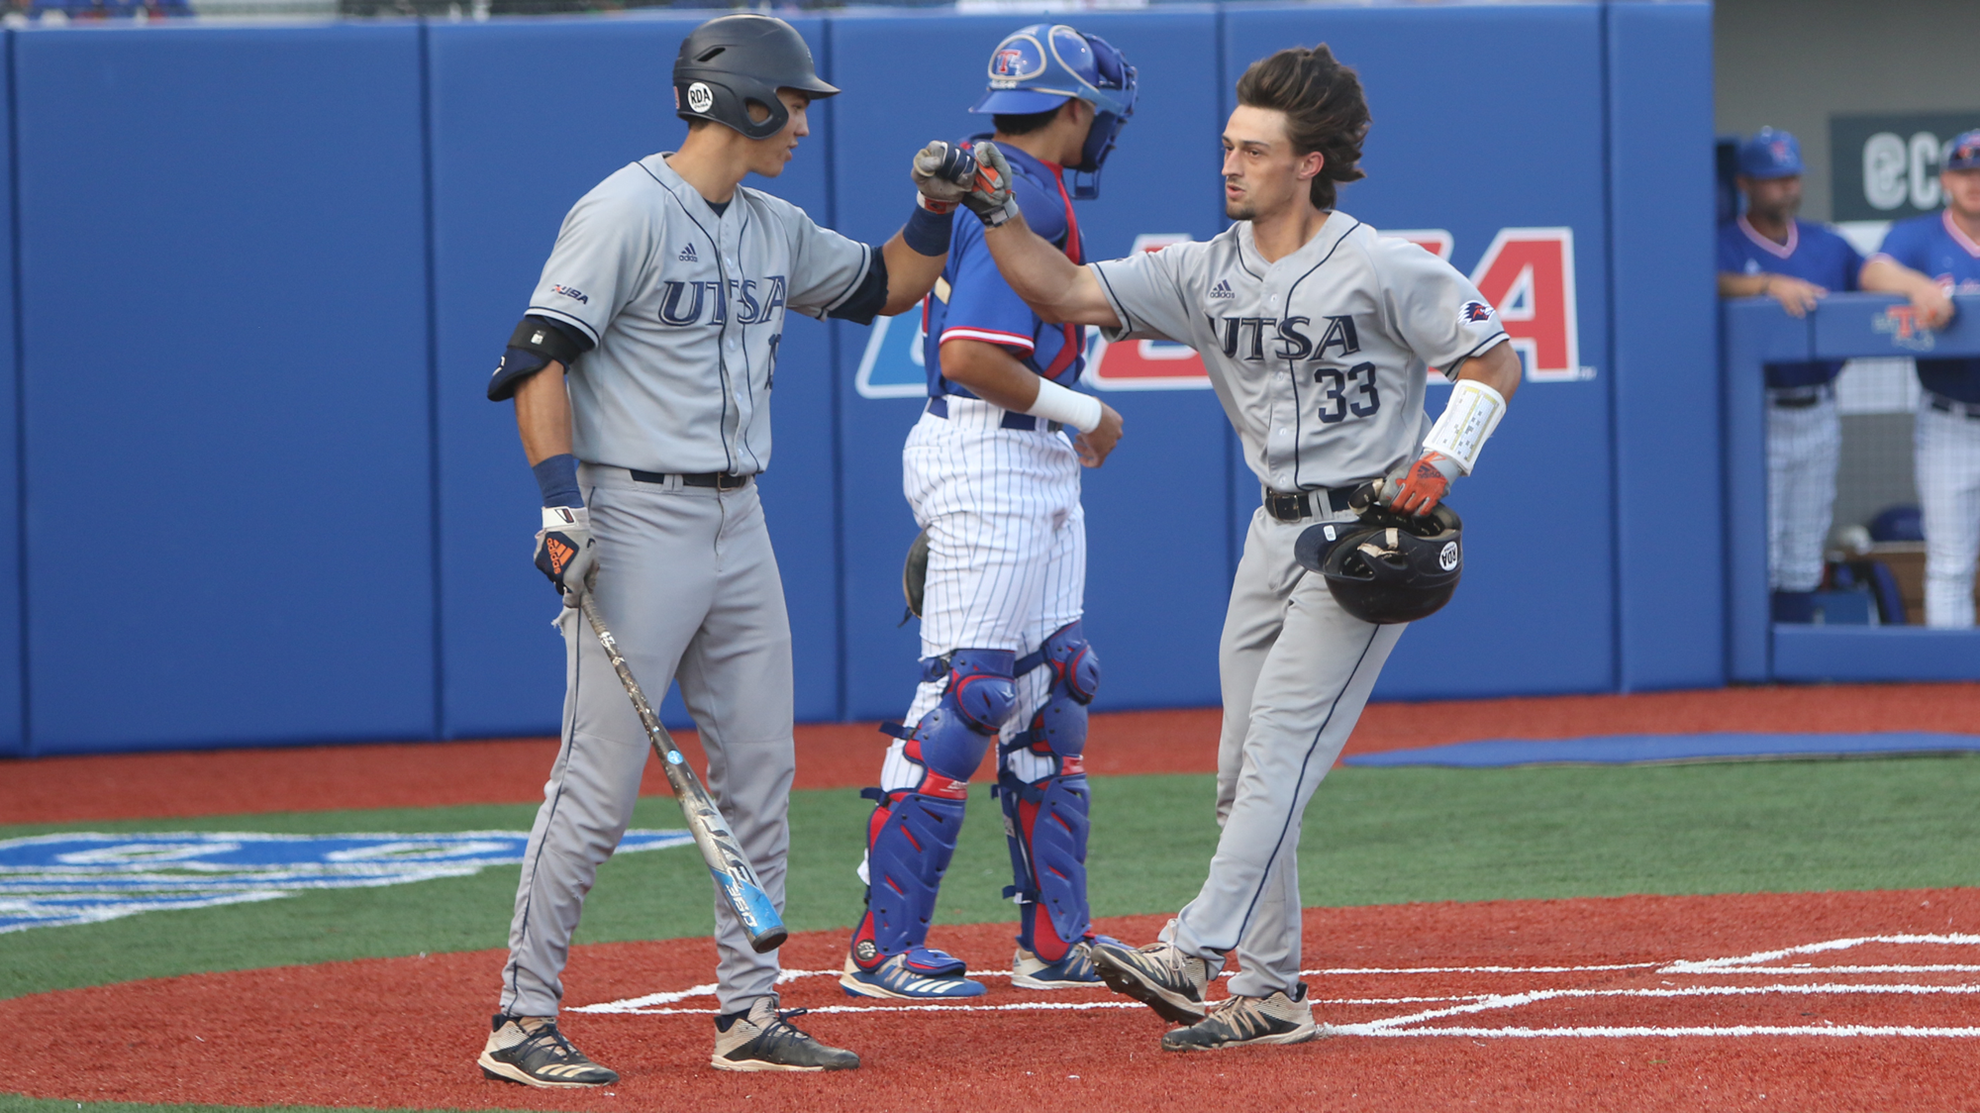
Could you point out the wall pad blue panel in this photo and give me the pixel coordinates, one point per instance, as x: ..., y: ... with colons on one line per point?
x: 226, y: 383
x: 1532, y: 615
x: 1670, y: 556
x: 1155, y: 513
x: 13, y: 711
x: 508, y: 161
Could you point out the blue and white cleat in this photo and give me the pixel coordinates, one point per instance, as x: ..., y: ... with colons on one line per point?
x: 1073, y: 971
x: 920, y: 974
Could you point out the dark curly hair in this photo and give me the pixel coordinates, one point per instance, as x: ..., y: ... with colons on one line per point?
x: 1325, y: 109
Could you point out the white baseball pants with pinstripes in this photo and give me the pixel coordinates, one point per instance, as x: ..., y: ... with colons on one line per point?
x: 1296, y: 671
x: 1948, y: 473
x: 1803, y: 448
x: 1006, y: 552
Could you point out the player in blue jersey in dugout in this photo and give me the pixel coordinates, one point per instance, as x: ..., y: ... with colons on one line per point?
x: 1768, y: 252
x: 1945, y: 246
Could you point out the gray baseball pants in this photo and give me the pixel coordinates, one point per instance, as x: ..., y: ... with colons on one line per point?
x: 688, y: 585
x: 1296, y: 671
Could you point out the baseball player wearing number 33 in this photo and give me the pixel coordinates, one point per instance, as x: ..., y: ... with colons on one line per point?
x: 1318, y: 335
x: 662, y: 305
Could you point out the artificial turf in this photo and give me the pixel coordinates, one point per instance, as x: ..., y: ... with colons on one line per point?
x: 1372, y: 836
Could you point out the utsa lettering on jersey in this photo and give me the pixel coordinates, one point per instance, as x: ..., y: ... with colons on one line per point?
x: 1318, y: 336
x: 642, y: 374
x: 991, y: 472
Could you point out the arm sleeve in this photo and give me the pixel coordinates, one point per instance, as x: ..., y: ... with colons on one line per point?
x: 828, y: 271
x: 594, y: 270
x: 1435, y: 310
x: 982, y: 306
x: 1147, y: 292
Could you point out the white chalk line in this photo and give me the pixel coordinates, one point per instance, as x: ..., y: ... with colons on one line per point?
x: 1418, y: 1023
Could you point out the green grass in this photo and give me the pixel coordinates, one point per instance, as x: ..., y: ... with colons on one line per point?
x: 1372, y: 836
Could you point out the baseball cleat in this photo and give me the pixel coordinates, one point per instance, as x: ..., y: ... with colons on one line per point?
x: 1247, y: 1021
x: 531, y: 1051
x: 762, y: 1038
x: 916, y: 975
x: 1074, y: 971
x: 1158, y: 975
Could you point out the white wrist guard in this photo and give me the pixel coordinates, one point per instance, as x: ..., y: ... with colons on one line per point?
x: 1473, y: 412
x: 1068, y: 407
x: 566, y: 517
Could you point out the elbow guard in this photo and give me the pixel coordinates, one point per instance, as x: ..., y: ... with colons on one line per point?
x: 532, y: 347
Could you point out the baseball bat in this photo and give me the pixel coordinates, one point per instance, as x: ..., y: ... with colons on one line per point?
x: 734, y: 876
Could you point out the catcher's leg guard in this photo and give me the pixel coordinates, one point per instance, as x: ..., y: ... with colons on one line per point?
x: 1045, y: 819
x: 912, y: 833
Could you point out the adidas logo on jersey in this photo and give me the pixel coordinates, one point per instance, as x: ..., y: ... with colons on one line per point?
x: 1222, y: 289
x: 687, y: 254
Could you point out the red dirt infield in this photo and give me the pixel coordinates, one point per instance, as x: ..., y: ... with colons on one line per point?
x: 1803, y: 1002
x: 840, y: 755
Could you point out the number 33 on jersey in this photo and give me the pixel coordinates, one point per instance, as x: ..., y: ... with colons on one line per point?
x: 1320, y: 359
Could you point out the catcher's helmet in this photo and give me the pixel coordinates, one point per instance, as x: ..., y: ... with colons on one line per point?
x: 1388, y: 567
x: 1042, y: 66
x: 727, y: 64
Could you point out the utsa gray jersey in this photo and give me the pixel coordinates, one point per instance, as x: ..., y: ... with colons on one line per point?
x: 686, y: 309
x: 1319, y: 358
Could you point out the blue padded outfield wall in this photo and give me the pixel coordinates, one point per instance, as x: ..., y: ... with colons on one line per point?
x: 263, y: 273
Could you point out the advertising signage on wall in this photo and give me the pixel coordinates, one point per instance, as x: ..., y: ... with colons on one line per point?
x: 1525, y: 272
x: 1887, y: 167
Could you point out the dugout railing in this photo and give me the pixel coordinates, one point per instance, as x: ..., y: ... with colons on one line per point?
x: 1846, y: 326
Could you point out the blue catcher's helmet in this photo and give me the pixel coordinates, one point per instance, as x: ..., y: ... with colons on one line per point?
x: 1041, y: 66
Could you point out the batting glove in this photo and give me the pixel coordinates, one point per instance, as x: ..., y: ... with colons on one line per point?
x: 943, y: 172
x: 989, y: 196
x: 1422, y: 486
x: 566, y: 551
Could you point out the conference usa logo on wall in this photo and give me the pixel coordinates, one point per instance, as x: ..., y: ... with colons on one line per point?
x: 1527, y: 274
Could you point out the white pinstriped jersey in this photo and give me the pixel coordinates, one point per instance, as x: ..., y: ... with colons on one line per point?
x: 1319, y: 358
x: 686, y: 309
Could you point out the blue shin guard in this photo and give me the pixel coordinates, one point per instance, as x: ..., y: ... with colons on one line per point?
x: 1046, y: 820
x: 912, y: 833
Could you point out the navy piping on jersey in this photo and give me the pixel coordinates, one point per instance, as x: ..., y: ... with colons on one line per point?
x: 1292, y: 371
x: 1502, y: 334
x: 1238, y: 242
x: 742, y: 430
x: 721, y: 369
x: 1119, y: 310
x: 1293, y: 809
x: 858, y: 280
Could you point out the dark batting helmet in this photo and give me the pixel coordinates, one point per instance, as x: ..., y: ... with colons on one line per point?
x: 730, y: 63
x: 1388, y: 567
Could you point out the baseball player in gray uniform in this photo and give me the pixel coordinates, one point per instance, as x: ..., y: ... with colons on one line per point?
x: 1318, y: 335
x: 642, y: 376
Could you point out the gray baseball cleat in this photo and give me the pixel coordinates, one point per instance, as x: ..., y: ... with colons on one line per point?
x: 1158, y: 975
x: 1238, y: 1021
x: 531, y: 1051
x: 762, y: 1038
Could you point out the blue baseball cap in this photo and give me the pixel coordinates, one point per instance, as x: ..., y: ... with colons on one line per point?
x: 1771, y: 153
x: 1964, y: 154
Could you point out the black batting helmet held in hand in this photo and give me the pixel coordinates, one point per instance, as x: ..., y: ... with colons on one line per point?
x: 730, y: 63
x: 1388, y: 567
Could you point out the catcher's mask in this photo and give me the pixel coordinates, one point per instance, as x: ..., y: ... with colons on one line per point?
x: 1388, y: 567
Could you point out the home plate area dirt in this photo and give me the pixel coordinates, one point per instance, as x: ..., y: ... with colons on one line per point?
x: 1804, y: 1002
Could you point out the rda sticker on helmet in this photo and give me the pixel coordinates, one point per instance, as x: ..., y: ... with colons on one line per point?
x: 700, y: 97
x: 1448, y: 558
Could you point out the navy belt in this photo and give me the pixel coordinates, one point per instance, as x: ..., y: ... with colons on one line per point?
x: 940, y: 408
x: 1292, y: 508
x: 1968, y: 410
x: 720, y: 480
